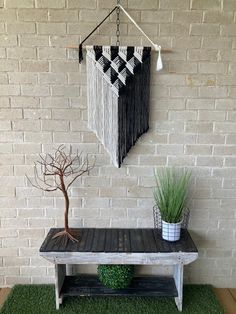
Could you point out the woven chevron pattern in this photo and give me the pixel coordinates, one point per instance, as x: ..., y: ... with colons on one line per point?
x: 117, y: 64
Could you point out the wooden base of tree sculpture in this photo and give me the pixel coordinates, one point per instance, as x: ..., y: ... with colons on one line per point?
x: 58, y: 172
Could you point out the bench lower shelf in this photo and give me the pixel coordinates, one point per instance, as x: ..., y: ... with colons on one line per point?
x: 159, y: 286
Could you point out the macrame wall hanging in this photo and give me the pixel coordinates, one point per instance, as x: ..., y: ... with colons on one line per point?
x: 118, y: 83
x: 118, y: 96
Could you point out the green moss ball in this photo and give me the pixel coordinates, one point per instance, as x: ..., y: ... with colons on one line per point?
x: 115, y: 276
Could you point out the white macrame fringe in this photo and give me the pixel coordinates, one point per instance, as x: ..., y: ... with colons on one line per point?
x: 102, y: 110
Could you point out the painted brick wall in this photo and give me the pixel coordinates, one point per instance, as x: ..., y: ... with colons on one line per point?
x: 193, y: 124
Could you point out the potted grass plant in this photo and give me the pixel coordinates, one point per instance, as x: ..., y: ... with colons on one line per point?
x: 170, y: 196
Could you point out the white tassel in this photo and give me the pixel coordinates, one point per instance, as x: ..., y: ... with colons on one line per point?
x: 159, y: 61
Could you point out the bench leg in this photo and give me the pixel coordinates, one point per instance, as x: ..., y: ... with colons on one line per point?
x: 178, y: 276
x: 60, y: 273
x: 58, y: 302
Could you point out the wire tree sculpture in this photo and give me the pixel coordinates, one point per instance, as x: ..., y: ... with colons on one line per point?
x: 58, y: 172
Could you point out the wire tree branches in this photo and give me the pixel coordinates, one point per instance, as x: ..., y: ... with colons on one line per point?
x: 58, y: 172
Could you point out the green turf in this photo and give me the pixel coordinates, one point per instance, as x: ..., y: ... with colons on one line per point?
x: 37, y: 299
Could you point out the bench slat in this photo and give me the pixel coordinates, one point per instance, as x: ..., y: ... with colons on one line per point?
x: 89, y: 285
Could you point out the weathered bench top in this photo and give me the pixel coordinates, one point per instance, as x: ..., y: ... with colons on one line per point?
x: 119, y: 241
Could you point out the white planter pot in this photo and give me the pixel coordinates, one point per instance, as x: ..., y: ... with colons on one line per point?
x: 171, y: 231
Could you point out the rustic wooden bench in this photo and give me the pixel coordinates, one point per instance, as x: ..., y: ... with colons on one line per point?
x: 119, y: 246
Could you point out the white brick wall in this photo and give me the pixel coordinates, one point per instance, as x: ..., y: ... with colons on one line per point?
x: 193, y: 124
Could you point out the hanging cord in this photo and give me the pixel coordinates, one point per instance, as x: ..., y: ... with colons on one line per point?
x: 118, y: 24
x: 156, y: 47
x: 81, y: 44
x: 159, y: 65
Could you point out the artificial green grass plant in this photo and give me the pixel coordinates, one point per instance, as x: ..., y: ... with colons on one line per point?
x: 40, y: 299
x: 170, y: 192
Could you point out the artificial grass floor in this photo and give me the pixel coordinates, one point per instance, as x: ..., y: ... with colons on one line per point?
x: 40, y: 299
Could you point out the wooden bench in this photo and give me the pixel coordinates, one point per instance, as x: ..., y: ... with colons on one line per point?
x: 119, y: 246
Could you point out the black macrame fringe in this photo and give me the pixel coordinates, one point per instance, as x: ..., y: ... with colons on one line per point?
x: 133, y: 107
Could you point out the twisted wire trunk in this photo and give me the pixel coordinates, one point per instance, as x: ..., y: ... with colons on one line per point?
x: 66, y: 212
x: 67, y: 203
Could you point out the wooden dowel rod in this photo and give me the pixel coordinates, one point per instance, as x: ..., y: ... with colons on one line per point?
x: 162, y: 50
